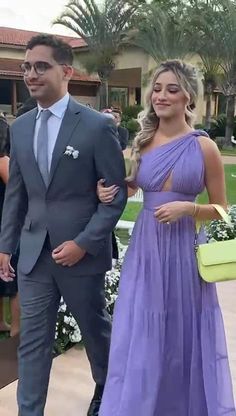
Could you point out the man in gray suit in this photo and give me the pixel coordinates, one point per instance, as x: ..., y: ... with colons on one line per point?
x: 58, y: 153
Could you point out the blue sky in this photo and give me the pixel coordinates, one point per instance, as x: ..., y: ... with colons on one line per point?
x: 33, y: 15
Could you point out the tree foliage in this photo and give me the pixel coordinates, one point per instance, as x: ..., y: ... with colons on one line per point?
x: 104, y: 28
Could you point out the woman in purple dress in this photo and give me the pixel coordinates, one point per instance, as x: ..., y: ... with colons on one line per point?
x: 168, y: 353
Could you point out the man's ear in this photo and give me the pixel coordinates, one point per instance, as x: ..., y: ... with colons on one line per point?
x: 68, y: 72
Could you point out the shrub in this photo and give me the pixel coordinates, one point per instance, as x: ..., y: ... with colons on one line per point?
x: 220, y: 141
x: 218, y: 126
x: 218, y: 230
x: 132, y: 111
x: 133, y: 126
x: 129, y: 119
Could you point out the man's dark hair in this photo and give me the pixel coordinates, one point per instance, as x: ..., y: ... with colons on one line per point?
x: 116, y: 110
x: 62, y: 51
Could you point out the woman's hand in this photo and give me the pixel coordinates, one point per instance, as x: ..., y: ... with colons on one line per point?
x: 172, y: 211
x: 106, y: 195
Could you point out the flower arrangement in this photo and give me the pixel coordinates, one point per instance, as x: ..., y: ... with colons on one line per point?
x: 70, y: 151
x: 67, y: 329
x: 218, y: 230
x: 112, y: 279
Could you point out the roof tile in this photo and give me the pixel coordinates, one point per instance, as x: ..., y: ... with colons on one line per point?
x: 19, y: 37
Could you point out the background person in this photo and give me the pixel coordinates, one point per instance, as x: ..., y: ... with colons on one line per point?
x: 7, y: 289
x: 123, y: 132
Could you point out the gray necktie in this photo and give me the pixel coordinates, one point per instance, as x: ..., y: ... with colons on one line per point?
x: 42, y: 145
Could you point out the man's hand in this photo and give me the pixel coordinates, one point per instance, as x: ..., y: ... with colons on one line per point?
x: 7, y: 273
x: 68, y: 253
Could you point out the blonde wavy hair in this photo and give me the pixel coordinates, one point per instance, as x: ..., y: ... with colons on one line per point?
x: 187, y: 78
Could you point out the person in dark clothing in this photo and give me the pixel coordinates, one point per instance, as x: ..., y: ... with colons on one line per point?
x: 123, y: 133
x: 123, y: 137
x: 4, y: 135
x: 7, y: 289
x: 28, y: 105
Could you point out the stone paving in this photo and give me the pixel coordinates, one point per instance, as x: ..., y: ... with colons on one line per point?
x: 229, y: 160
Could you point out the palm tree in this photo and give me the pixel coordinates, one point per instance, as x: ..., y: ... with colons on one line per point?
x: 104, y: 28
x: 161, y: 35
x: 209, y: 65
x: 210, y: 70
x: 215, y: 25
x: 226, y: 45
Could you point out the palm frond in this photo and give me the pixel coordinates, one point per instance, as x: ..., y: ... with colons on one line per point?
x: 161, y: 35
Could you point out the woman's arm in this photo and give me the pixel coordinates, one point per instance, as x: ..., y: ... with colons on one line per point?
x: 4, y: 168
x: 132, y: 190
x: 214, y: 180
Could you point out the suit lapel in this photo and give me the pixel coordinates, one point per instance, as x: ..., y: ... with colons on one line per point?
x: 69, y: 122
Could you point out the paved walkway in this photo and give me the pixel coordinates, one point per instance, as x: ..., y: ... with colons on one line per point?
x: 229, y: 160
x: 71, y: 385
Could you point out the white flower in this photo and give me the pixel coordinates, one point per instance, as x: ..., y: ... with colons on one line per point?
x: 75, y: 154
x: 67, y: 319
x: 70, y: 151
x: 76, y: 336
x: 218, y: 230
x: 62, y: 308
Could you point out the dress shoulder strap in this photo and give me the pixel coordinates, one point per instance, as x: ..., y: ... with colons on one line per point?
x: 198, y: 133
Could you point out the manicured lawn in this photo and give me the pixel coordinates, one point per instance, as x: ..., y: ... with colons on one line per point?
x: 230, y: 186
x: 229, y: 152
x: 133, y: 208
x: 131, y: 211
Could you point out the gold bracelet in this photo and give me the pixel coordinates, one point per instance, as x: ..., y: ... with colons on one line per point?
x: 198, y: 207
x: 196, y: 210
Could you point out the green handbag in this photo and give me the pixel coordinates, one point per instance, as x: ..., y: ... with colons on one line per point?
x: 217, y: 261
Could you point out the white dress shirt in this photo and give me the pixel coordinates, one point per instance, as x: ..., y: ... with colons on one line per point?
x: 54, y: 123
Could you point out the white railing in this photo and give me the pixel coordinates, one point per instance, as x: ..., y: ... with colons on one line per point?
x: 129, y: 225
x: 125, y: 225
x: 138, y: 197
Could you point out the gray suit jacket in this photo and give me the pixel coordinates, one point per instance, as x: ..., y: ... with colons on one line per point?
x: 69, y: 208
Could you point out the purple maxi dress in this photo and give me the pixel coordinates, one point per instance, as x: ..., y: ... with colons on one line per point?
x: 168, y: 353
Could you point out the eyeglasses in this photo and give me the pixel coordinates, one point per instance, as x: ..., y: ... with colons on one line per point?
x: 40, y: 67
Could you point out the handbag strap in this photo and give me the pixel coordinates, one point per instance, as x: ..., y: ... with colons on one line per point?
x: 222, y: 213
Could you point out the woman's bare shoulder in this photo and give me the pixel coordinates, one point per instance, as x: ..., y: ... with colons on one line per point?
x: 208, y: 146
